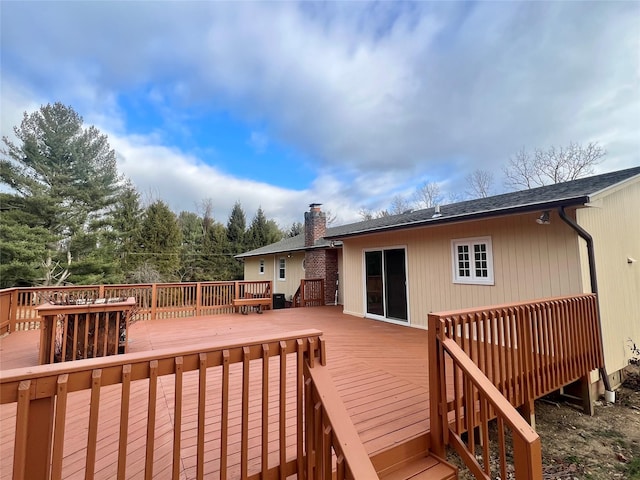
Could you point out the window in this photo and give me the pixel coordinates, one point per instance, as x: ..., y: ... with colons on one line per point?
x: 472, y: 260
x: 261, y: 267
x: 282, y: 269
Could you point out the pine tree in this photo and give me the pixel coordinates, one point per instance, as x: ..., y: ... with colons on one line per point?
x: 217, y: 263
x: 262, y: 232
x: 236, y: 240
x: 64, y: 176
x: 297, y: 228
x: 160, y: 240
x: 23, y: 243
x: 191, y: 249
x: 127, y: 217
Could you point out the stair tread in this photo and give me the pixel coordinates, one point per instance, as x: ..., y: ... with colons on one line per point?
x: 424, y: 468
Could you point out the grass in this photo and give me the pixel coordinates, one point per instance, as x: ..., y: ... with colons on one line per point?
x: 633, y: 469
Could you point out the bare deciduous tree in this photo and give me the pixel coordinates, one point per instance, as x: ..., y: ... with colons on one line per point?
x: 145, y: 273
x: 54, y: 273
x: 331, y: 217
x: 454, y: 197
x: 399, y: 204
x: 480, y: 183
x: 205, y: 210
x: 365, y: 213
x: 554, y: 165
x: 428, y: 195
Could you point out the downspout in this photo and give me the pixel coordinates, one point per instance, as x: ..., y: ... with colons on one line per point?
x: 594, y: 281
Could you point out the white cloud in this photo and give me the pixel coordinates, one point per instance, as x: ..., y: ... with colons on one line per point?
x: 16, y: 100
x: 376, y: 95
x: 183, y: 181
x: 259, y: 142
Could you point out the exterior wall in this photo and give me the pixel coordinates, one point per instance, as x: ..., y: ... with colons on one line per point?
x: 530, y: 261
x: 331, y: 276
x: 252, y: 268
x: 315, y: 264
x: 614, y: 224
x: 294, y: 272
x: 340, y: 277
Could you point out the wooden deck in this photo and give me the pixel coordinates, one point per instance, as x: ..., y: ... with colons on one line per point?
x: 379, y: 369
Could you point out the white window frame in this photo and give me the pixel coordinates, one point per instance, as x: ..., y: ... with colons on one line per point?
x: 282, y: 269
x: 472, y: 279
x: 261, y: 267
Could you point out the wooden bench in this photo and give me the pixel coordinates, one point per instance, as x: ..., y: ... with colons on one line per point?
x: 244, y: 304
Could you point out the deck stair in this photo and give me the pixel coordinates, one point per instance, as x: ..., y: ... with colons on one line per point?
x: 427, y: 467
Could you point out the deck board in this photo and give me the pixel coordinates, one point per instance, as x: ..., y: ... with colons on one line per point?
x: 380, y: 371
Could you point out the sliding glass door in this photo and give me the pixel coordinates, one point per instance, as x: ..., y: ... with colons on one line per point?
x: 386, y: 284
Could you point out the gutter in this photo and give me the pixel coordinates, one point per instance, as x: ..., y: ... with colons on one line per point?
x: 462, y: 217
x: 594, y: 281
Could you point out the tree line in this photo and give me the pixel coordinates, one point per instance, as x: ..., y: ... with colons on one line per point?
x: 68, y: 216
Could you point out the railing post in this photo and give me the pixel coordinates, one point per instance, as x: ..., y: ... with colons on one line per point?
x: 435, y: 394
x: 527, y: 459
x: 302, y: 290
x: 198, y: 298
x: 5, y: 310
x: 524, y: 323
x: 154, y: 300
x: 39, y: 438
x: 13, y: 310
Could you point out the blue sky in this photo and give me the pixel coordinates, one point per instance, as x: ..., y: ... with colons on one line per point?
x: 280, y: 104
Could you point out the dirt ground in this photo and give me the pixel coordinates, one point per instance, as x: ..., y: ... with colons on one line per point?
x: 605, y: 446
x: 576, y: 446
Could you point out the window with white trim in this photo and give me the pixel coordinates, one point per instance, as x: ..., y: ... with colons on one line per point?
x: 282, y: 269
x: 261, y: 267
x: 472, y: 260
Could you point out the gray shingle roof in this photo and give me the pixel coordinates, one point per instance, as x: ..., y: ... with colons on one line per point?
x: 576, y: 192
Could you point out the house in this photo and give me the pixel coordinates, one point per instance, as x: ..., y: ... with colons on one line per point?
x: 309, y: 255
x: 576, y: 237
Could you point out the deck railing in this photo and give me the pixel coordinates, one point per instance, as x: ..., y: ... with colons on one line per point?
x: 521, y: 351
x: 310, y: 293
x: 236, y: 410
x: 154, y: 300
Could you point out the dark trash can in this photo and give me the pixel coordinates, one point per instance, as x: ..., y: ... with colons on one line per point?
x: 278, y: 300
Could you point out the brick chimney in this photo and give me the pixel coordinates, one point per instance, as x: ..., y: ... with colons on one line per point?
x: 315, y: 224
x: 319, y: 262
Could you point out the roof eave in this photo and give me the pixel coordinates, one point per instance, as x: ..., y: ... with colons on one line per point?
x: 286, y: 250
x: 471, y: 216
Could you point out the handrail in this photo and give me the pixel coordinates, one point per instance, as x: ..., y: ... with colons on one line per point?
x: 331, y: 433
x: 217, y: 382
x: 190, y: 381
x: 311, y: 292
x: 5, y: 312
x: 529, y: 349
x: 478, y: 389
x: 154, y: 301
x: 295, y: 299
x: 510, y: 354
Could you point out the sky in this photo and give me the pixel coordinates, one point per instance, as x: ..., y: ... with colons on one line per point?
x: 348, y: 104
